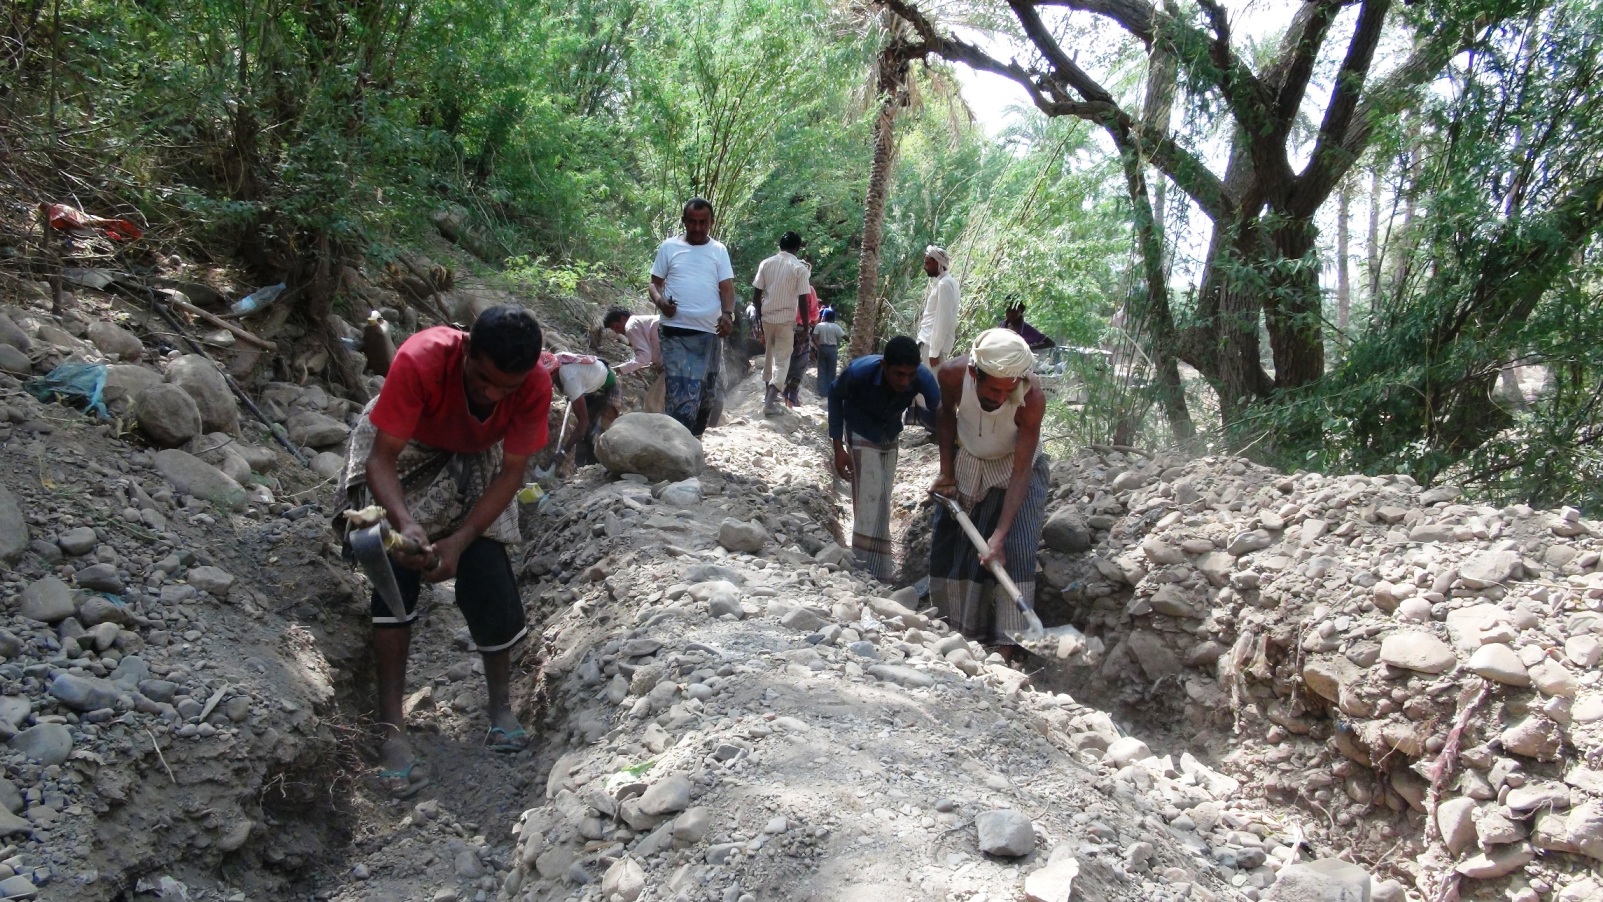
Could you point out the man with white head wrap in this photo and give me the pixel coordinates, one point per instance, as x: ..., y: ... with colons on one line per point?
x: 937, y: 325
x: 988, y: 429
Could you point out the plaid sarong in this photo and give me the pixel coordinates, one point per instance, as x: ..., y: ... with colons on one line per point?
x: 875, y: 467
x: 440, y: 487
x: 966, y: 593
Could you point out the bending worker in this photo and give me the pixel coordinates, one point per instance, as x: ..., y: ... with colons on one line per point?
x: 644, y: 339
x: 443, y: 448
x: 988, y: 429
x: 865, y: 416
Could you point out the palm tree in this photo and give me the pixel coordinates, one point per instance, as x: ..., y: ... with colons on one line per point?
x: 892, y: 84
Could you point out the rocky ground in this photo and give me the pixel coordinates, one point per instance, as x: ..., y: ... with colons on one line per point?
x: 1279, y: 672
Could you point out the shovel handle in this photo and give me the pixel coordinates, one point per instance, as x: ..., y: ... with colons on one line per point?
x: 984, y: 548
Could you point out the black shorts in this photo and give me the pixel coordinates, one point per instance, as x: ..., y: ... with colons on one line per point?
x: 486, y: 592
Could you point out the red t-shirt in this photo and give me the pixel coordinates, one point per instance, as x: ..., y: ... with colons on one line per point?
x: 423, y: 399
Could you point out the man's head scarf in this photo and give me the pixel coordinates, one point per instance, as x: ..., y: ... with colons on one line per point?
x: 1001, y: 353
x: 942, y: 259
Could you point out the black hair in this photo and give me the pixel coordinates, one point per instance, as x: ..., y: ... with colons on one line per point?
x: 509, y: 337
x: 695, y: 203
x: 901, y: 351
x: 829, y: 316
x: 790, y: 241
x: 613, y: 315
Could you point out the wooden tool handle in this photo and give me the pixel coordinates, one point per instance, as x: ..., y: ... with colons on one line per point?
x: 984, y: 548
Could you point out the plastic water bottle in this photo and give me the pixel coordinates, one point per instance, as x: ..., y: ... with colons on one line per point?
x: 258, y: 299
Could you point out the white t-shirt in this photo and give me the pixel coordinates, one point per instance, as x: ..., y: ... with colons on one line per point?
x: 691, y: 273
x: 582, y: 378
x: 784, y: 280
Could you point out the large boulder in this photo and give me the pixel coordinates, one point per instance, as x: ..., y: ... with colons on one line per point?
x: 219, y: 412
x: 114, y: 341
x: 654, y: 445
x: 167, y: 415
x: 193, y: 476
x: 221, y: 451
x: 316, y: 430
x: 1065, y: 531
x: 125, y: 380
x: 1324, y: 880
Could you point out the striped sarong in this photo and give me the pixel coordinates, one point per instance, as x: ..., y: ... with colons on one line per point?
x: 874, y: 466
x: 439, y: 487
x: 967, y: 595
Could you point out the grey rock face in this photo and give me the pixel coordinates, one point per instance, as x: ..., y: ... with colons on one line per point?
x: 1325, y: 880
x: 48, y: 600
x: 1006, y: 833
x: 197, y: 376
x: 1066, y: 532
x: 47, y: 743
x: 100, y: 578
x: 212, y: 580
x: 114, y: 341
x: 167, y: 415
x: 193, y: 476
x: 83, y: 693
x: 668, y: 796
x: 315, y: 430
x: 742, y: 536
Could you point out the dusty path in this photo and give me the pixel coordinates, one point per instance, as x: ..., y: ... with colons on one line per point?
x: 812, y: 741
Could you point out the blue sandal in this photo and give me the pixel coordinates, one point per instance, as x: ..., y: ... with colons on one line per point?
x: 400, y: 784
x: 514, y: 740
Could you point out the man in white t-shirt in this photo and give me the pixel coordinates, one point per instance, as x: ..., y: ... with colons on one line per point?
x: 693, y: 286
x: 781, y: 283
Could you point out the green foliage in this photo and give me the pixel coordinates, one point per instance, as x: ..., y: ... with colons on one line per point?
x: 1504, y: 269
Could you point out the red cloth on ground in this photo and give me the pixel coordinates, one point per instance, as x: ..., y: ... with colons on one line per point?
x: 424, y: 399
x: 69, y: 219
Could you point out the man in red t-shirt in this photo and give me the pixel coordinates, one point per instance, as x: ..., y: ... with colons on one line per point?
x: 443, y: 449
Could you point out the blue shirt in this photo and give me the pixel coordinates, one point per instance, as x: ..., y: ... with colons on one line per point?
x: 861, y: 401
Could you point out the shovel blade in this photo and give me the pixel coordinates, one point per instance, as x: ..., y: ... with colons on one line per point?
x: 368, y: 547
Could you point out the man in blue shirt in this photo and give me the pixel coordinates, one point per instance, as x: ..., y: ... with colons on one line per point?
x: 866, y: 404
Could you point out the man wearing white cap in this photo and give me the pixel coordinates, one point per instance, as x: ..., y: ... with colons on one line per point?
x: 937, y: 326
x: 988, y: 428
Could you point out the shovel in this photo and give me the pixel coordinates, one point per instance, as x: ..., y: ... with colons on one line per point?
x: 546, y: 471
x: 1034, y: 634
x: 371, y: 540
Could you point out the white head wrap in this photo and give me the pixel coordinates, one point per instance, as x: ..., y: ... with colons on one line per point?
x: 1002, y: 353
x: 940, y: 256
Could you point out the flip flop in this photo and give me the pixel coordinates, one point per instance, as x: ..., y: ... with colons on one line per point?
x: 514, y: 740
x: 400, y: 784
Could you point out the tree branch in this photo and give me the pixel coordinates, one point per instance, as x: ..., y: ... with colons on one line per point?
x: 1335, y: 152
x: 1051, y: 93
x: 1299, y: 51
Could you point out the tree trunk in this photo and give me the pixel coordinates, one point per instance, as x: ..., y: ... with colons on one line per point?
x: 866, y: 321
x: 1372, y: 292
x: 1344, y: 288
x: 1291, y: 305
x: 1154, y: 311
